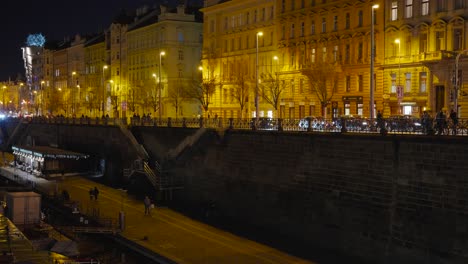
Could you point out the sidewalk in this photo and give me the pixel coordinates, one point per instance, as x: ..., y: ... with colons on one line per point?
x: 166, y: 232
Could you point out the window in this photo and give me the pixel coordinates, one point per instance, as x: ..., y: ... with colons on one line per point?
x: 409, y: 9
x: 255, y: 16
x: 312, y: 56
x: 360, y: 83
x: 347, y: 105
x: 425, y: 7
x: 347, y: 53
x: 263, y: 14
x: 283, y: 6
x: 312, y: 28
x: 283, y: 32
x: 335, y: 23
x: 181, y: 55
x: 422, y: 82
x: 459, y: 4
x: 293, y: 57
x: 457, y: 39
x: 394, y: 11
x: 301, y: 86
x: 407, y: 82
x: 422, y: 42
x: 180, y: 36
x: 291, y: 32
x: 291, y: 86
x: 324, y: 25
x: 441, y: 5
x: 335, y: 53
x: 360, y: 18
x: 360, y: 48
x: 247, y: 18
x: 439, y: 41
x: 302, y: 29
x: 348, y: 21
x: 247, y: 42
x: 348, y: 84
x: 393, y: 83
x: 359, y: 109
x: 292, y: 5
x: 324, y: 54
x: 302, y: 3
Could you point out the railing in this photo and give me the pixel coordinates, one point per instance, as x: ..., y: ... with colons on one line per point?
x: 337, y: 125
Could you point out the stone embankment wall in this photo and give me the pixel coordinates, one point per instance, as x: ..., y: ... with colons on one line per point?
x: 393, y: 199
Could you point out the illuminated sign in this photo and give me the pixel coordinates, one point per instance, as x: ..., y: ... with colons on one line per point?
x: 35, y: 40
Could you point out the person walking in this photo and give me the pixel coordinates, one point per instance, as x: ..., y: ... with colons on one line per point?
x: 454, y: 118
x: 96, y: 193
x: 147, y: 203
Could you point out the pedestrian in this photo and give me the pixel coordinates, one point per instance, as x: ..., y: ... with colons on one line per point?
x: 91, y: 194
x: 147, y: 203
x: 96, y: 193
x: 454, y: 118
x: 440, y: 122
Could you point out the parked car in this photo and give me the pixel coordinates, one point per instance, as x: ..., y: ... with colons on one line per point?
x: 404, y: 123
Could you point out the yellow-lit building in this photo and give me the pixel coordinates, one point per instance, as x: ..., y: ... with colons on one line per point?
x: 416, y: 44
x: 239, y: 45
x: 163, y: 55
x: 422, y: 40
x: 92, y: 97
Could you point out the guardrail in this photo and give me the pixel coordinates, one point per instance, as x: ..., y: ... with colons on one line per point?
x: 419, y: 126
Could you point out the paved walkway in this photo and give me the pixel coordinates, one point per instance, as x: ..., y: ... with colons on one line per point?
x: 166, y: 232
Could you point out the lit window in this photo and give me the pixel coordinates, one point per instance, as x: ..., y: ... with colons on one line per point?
x: 393, y: 83
x: 324, y: 54
x: 425, y: 7
x: 407, y: 82
x: 312, y: 56
x: 422, y: 82
x: 335, y: 53
x: 394, y: 11
x: 409, y: 9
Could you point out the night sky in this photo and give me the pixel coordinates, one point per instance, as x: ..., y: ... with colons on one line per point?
x: 55, y: 20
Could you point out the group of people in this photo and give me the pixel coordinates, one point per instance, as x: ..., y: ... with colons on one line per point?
x: 440, y: 122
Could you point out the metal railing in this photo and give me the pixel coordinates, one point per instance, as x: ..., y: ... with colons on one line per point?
x: 415, y: 126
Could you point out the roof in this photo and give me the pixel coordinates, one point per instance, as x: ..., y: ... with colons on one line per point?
x: 48, y: 152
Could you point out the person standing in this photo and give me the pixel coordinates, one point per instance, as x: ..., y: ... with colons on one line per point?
x: 96, y: 193
x: 454, y: 118
x: 147, y: 203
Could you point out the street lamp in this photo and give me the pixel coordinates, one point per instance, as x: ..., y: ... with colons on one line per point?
x: 371, y: 100
x: 162, y: 53
x: 259, y: 34
x: 399, y: 87
x: 104, y: 68
x: 73, y: 92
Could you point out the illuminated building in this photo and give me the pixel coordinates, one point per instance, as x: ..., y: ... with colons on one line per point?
x: 92, y: 89
x: 230, y: 33
x: 177, y: 35
x: 431, y: 33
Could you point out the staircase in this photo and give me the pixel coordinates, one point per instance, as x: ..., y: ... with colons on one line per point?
x: 187, y: 142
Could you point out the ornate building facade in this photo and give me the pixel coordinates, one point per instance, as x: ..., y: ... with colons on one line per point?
x: 416, y: 44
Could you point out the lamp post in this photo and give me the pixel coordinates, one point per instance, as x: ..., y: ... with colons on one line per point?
x: 73, y: 92
x: 104, y: 68
x: 259, y: 34
x: 371, y: 100
x: 399, y: 87
x: 456, y: 80
x: 162, y: 53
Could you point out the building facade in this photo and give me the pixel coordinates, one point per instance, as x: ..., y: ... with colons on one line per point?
x: 322, y: 52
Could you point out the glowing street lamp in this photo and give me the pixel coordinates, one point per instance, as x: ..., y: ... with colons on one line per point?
x: 104, y: 68
x: 162, y: 53
x: 372, y: 79
x: 259, y: 34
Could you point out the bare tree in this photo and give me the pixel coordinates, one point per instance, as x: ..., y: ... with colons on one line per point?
x: 271, y: 89
x: 323, y: 81
x: 203, y: 92
x: 241, y: 91
x: 176, y: 95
